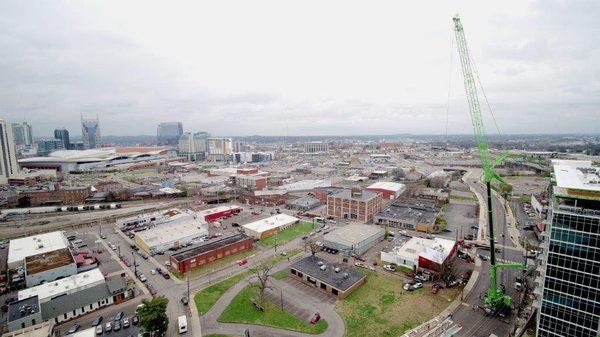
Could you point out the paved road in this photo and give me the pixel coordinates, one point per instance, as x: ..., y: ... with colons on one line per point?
x: 473, y: 320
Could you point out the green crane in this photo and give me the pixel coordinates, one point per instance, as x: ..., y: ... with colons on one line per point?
x: 495, y: 296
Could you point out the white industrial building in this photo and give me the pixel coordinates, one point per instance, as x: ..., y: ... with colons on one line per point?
x: 354, y: 239
x: 20, y: 249
x: 172, y: 234
x: 421, y: 253
x: 389, y: 190
x: 262, y: 228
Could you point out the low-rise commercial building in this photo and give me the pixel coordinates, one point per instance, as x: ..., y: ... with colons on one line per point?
x: 354, y: 204
x: 303, y: 204
x: 332, y: 278
x: 414, y: 216
x: 263, y: 228
x: 208, y: 252
x: 389, y: 190
x: 49, y: 266
x: 251, y: 182
x: 39, y: 244
x: 322, y: 193
x: 430, y: 254
x: 65, y: 299
x: 264, y: 197
x: 354, y: 239
x: 219, y: 212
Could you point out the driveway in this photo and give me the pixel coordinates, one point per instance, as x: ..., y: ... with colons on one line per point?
x: 298, y: 298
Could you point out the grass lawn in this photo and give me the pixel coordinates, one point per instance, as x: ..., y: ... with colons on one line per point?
x: 462, y: 197
x: 207, y: 297
x: 281, y: 274
x: 287, y: 234
x: 279, y: 258
x: 218, y: 264
x: 241, y: 310
x: 381, y: 308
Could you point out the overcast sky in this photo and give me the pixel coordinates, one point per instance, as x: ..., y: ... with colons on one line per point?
x: 297, y: 67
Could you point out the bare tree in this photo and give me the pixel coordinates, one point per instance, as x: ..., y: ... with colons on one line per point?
x: 311, y: 244
x: 263, y: 274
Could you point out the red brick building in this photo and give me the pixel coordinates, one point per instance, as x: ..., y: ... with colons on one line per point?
x: 58, y: 195
x: 354, y: 204
x: 208, y: 252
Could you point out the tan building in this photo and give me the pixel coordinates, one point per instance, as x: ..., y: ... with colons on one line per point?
x: 331, y: 278
x: 354, y: 204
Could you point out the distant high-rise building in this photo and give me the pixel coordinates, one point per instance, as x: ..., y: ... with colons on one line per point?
x: 568, y: 299
x: 22, y: 133
x: 194, y: 146
x: 169, y: 133
x: 316, y: 147
x: 220, y: 149
x: 63, y: 135
x: 8, y: 157
x: 90, y: 132
x: 45, y: 146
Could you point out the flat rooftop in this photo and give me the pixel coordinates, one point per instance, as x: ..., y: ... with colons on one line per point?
x: 363, y: 195
x: 436, y: 250
x: 575, y: 176
x: 425, y: 213
x: 63, y: 286
x: 353, y: 234
x: 173, y: 231
x: 389, y: 186
x: 270, y: 223
x: 342, y: 280
x: 208, y: 246
x: 21, y: 248
x: 47, y: 261
x: 23, y: 308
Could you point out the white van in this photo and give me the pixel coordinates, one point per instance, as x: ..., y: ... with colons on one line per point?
x: 182, y: 320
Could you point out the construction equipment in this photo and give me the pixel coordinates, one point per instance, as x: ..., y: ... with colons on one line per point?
x: 495, y: 299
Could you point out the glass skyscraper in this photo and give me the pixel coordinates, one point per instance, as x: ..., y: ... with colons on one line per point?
x: 570, y: 296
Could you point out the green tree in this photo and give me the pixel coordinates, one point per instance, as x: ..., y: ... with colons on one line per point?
x: 153, y: 316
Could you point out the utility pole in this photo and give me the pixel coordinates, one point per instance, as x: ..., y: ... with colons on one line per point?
x: 188, y: 287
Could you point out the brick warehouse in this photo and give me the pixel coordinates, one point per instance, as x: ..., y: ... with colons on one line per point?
x: 354, y: 204
x: 208, y: 252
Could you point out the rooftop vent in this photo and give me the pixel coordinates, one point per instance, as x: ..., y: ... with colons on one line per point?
x: 346, y: 275
x: 337, y: 269
x: 323, y: 267
x: 320, y: 263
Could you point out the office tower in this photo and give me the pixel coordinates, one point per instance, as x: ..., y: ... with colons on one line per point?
x: 22, y: 133
x: 316, y: 147
x: 169, y: 133
x: 63, y: 135
x: 8, y: 156
x: 90, y: 132
x: 46, y: 146
x: 569, y: 305
x: 193, y: 146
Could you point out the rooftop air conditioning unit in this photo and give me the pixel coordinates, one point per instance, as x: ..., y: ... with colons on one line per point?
x: 346, y: 275
x: 320, y: 263
x: 323, y: 267
x: 337, y: 269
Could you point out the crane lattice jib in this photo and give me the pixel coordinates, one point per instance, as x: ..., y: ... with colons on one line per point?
x: 473, y: 100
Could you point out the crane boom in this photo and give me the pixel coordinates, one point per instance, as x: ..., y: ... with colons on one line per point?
x: 495, y: 297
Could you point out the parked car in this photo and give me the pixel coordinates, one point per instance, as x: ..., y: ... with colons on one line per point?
x: 242, y: 262
x: 97, y: 321
x: 126, y: 323
x: 389, y: 267
x: 73, y: 329
x: 143, y: 278
x: 184, y: 300
x: 118, y: 316
x: 151, y: 289
x: 315, y: 318
x: 117, y: 326
x: 135, y: 320
x: 99, y: 330
x: 153, y: 271
x: 435, y: 288
x: 108, y: 327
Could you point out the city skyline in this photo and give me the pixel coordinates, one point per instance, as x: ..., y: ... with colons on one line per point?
x: 384, y: 76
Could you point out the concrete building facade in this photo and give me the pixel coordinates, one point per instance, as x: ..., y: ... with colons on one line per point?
x: 8, y: 154
x: 90, y: 133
